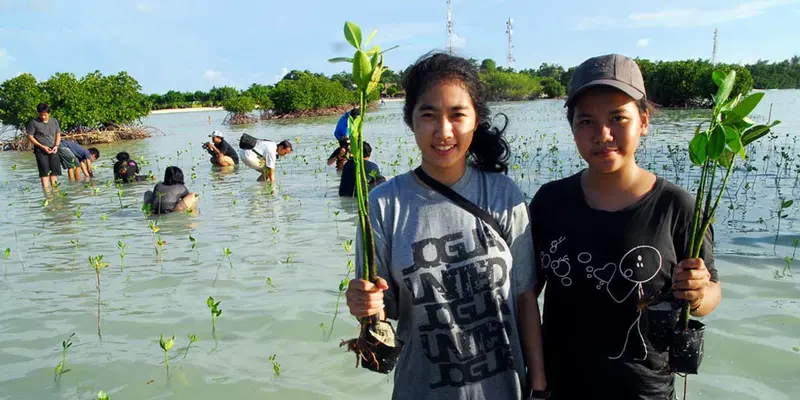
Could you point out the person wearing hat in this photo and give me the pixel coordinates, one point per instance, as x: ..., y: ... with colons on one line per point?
x: 222, y: 153
x: 612, y: 243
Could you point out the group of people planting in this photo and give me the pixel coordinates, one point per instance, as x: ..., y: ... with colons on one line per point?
x: 462, y: 259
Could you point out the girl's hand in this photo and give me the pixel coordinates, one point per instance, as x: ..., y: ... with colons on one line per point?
x: 690, y: 280
x: 365, y: 298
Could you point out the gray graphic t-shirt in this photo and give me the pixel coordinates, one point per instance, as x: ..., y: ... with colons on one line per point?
x: 453, y: 283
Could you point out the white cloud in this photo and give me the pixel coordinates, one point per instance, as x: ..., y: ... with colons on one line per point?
x: 212, y: 75
x: 642, y: 42
x: 685, y: 17
x: 144, y: 8
x: 5, y: 58
x: 459, y: 42
x: 277, y: 78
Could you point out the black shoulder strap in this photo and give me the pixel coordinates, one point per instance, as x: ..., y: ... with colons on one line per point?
x: 459, y: 200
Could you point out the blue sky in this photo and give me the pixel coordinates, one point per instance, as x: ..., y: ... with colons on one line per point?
x: 197, y: 44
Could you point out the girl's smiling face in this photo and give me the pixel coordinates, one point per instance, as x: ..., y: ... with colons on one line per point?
x: 607, y: 125
x: 444, y: 121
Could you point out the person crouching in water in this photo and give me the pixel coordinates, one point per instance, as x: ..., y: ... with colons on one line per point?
x: 347, y: 183
x: 263, y: 157
x: 341, y: 154
x: 171, y: 194
x: 222, y: 153
x: 127, y: 170
x: 76, y: 158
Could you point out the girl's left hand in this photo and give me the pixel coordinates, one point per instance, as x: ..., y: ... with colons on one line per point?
x: 690, y: 280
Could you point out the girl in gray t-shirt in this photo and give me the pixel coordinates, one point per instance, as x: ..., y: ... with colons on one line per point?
x: 460, y: 291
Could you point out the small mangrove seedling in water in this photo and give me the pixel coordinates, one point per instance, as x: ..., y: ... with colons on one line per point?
x: 166, y: 345
x: 194, y: 246
x: 276, y: 368
x: 275, y: 232
x: 730, y: 130
x: 153, y: 230
x: 783, y: 205
x: 215, y: 312
x: 75, y: 244
x: 192, y: 339
x: 6, y: 256
x: 371, y: 352
x: 122, y: 246
x: 342, y: 288
x: 269, y: 284
x: 61, y: 367
x: 101, y: 395
x: 97, y: 263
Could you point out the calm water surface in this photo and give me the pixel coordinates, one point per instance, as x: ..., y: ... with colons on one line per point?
x: 279, y: 291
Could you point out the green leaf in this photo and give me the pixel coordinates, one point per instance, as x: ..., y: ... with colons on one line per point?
x: 7, y: 253
x: 210, y: 302
x: 340, y: 59
x: 59, y: 367
x: 757, y: 132
x: 718, y: 77
x: 734, y: 141
x: 726, y: 158
x: 352, y: 33
x: 725, y: 89
x: 716, y: 143
x: 787, y: 203
x: 371, y: 36
x: 362, y: 69
x: 747, y: 105
x: 698, y: 149
x: 101, y: 395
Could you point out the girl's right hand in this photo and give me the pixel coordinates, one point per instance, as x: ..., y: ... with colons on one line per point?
x: 365, y: 298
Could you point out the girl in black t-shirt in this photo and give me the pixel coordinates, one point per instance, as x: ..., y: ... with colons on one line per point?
x: 608, y: 240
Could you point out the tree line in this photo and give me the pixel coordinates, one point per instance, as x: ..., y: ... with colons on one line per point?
x: 95, y: 101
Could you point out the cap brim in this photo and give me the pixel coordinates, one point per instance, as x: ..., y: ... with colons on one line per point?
x: 624, y: 87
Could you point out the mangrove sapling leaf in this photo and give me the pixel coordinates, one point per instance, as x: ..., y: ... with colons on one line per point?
x: 122, y: 246
x: 61, y: 367
x: 166, y: 345
x: 101, y: 395
x: 352, y: 33
x: 745, y: 107
x: 698, y: 148
x: 97, y: 263
x: 192, y: 339
x: 757, y: 132
x: 215, y: 312
x: 716, y: 143
x: 724, y: 91
x: 276, y: 368
x: 718, y: 77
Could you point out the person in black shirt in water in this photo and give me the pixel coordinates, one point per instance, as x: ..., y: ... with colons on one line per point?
x: 608, y: 239
x: 222, y: 153
x: 347, y: 184
x: 171, y: 194
x: 341, y: 154
x: 127, y: 170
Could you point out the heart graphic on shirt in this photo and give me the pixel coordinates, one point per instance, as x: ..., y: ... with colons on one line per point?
x: 606, y: 273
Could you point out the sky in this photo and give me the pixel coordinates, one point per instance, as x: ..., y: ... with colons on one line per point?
x: 190, y: 45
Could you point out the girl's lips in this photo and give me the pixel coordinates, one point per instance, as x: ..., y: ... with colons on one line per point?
x: 444, y: 150
x: 604, y: 152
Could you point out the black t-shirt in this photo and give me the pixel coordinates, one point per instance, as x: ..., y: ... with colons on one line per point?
x: 347, y: 185
x: 125, y: 171
x: 227, y: 150
x: 597, y: 265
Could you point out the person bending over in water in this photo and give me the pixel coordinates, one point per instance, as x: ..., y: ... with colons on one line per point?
x: 127, y: 170
x: 76, y: 159
x: 222, y: 153
x: 608, y: 238
x: 341, y: 154
x: 263, y: 157
x: 459, y: 284
x: 171, y: 194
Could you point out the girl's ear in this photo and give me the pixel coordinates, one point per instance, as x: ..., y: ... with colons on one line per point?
x: 645, y: 116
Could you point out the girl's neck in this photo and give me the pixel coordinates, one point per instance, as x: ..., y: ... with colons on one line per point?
x: 448, y: 175
x: 617, y: 190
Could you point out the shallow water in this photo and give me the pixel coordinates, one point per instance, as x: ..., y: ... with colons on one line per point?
x: 288, y: 256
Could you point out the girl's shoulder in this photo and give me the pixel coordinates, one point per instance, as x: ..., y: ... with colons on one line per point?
x: 675, y: 195
x: 557, y: 191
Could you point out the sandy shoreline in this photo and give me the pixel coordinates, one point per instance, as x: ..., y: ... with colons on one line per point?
x: 183, y: 110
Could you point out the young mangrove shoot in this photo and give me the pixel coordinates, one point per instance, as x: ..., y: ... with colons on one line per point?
x: 122, y: 246
x: 215, y: 312
x: 101, y: 395
x: 192, y: 339
x: 276, y: 368
x: 729, y: 132
x: 367, y: 69
x: 61, y: 368
x: 166, y: 345
x: 97, y: 263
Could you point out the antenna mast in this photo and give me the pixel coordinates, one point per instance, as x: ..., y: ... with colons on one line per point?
x: 449, y: 27
x: 510, y: 32
x: 714, y: 52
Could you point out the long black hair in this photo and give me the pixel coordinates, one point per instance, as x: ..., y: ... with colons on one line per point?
x: 173, y: 176
x: 489, y: 150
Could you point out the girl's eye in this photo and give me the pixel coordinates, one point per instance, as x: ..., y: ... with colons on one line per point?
x: 619, y: 118
x: 584, y: 122
x: 459, y: 115
x: 427, y: 115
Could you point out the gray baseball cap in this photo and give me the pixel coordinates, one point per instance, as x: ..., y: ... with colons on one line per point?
x: 614, y: 70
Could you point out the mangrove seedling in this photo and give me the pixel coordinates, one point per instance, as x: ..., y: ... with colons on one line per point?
x: 78, y: 213
x: 6, y: 256
x: 275, y: 232
x: 153, y: 230
x: 122, y: 246
x: 367, y: 69
x: 342, y: 288
x: 215, y: 312
x: 269, y: 284
x: 75, y: 244
x: 194, y: 246
x: 192, y: 339
x: 166, y: 345
x: 97, y: 263
x: 61, y: 367
x: 101, y: 395
x: 119, y: 195
x: 276, y: 368
x: 784, y: 204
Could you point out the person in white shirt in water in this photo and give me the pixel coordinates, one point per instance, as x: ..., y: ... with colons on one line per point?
x: 264, y: 156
